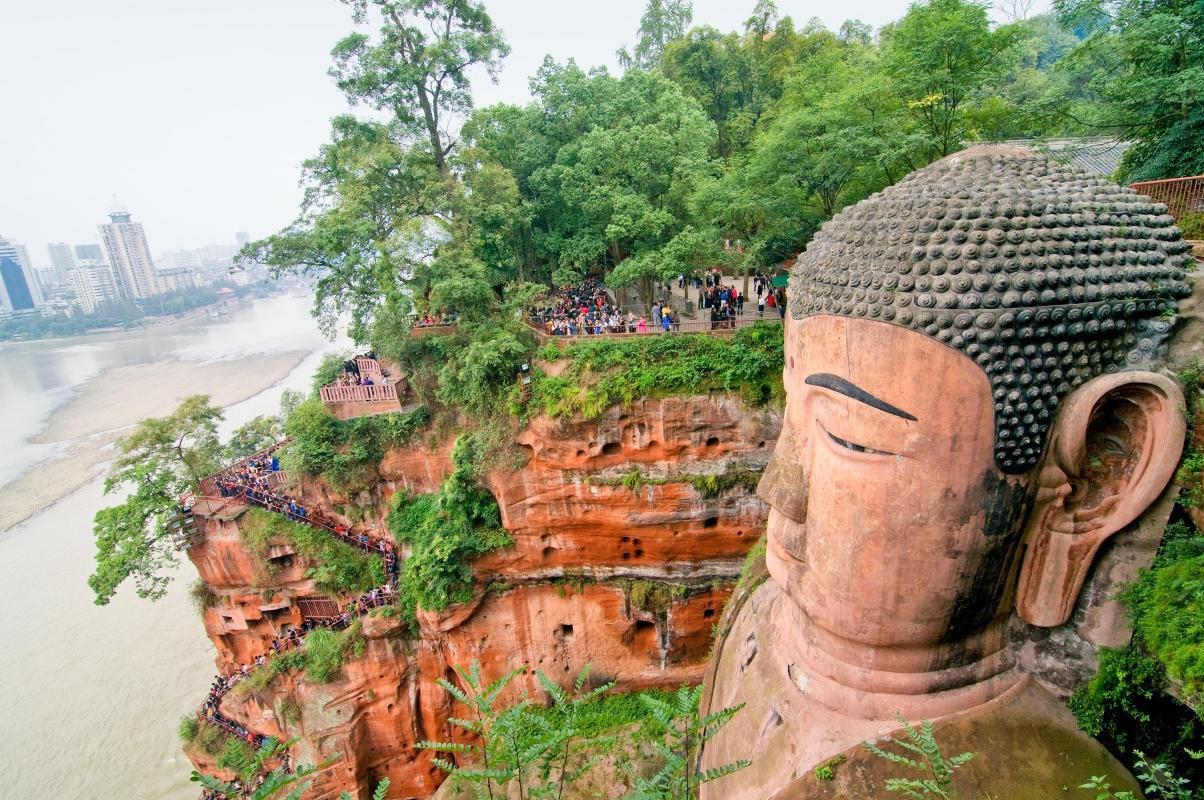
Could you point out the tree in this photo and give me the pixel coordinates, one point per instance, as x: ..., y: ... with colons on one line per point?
x: 662, y: 22
x: 248, y: 439
x: 1144, y: 67
x: 161, y: 460
x: 417, y: 69
x: 936, y: 56
x: 762, y: 20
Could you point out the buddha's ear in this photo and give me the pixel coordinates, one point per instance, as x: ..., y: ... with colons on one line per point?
x: 1112, y: 451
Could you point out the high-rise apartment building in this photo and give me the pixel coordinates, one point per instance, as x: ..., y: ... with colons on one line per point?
x: 62, y: 261
x: 19, y: 290
x: 94, y: 284
x: 89, y: 252
x: 129, y: 255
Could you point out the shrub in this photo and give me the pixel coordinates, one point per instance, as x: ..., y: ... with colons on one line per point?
x: 1192, y: 225
x: 345, y: 452
x: 1126, y: 706
x: 202, y: 596
x: 445, y: 531
x: 603, y: 372
x: 237, y: 756
x: 210, y: 738
x: 329, y: 369
x: 189, y: 727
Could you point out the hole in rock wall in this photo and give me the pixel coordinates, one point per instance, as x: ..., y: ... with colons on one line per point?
x: 563, y: 631
x: 611, y: 449
x: 713, y: 441
x: 708, y: 613
x: 710, y: 522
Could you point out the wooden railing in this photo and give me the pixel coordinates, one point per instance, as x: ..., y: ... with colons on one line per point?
x: 1181, y: 195
x: 369, y: 367
x: 358, y: 394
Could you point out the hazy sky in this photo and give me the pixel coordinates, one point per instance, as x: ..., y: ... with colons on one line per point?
x: 197, y: 115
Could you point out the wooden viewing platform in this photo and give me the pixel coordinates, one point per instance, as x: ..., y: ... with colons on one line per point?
x: 383, y: 396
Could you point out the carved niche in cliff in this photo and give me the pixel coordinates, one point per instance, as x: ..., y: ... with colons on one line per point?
x: 971, y: 415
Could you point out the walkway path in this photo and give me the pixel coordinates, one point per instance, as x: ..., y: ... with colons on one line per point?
x: 254, y: 482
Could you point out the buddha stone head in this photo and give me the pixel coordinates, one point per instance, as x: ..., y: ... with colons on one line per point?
x: 970, y: 413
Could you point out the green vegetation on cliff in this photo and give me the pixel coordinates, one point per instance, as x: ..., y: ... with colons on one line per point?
x: 445, y: 531
x: 336, y: 567
x: 603, y: 372
x: 346, y: 452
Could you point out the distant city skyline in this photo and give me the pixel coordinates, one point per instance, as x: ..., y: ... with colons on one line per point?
x: 203, y: 126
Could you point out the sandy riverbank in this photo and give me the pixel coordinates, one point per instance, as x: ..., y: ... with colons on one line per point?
x: 118, y: 398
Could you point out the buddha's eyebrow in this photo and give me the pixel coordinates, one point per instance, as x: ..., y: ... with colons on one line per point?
x: 837, y: 384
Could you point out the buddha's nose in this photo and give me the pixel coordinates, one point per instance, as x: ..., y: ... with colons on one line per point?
x: 784, y: 484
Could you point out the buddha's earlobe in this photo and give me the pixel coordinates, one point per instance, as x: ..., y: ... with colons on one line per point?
x: 1112, y: 451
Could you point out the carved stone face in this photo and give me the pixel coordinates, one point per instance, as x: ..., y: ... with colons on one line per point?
x: 891, y: 524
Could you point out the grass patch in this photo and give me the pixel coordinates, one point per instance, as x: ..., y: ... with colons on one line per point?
x: 758, y: 551
x: 321, y: 658
x: 708, y: 486
x: 654, y: 597
x: 605, y: 372
x: 336, y: 567
x: 189, y: 727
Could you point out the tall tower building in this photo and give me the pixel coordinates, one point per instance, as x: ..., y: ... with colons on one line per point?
x: 61, y: 260
x: 129, y: 255
x: 18, y: 290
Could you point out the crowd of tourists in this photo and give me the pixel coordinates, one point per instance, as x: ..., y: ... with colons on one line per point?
x: 587, y: 309
x: 432, y: 318
x: 252, y: 480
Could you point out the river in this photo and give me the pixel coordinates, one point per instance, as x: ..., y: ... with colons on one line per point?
x: 93, y: 695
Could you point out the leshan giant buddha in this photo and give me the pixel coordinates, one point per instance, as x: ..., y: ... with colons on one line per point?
x: 970, y: 416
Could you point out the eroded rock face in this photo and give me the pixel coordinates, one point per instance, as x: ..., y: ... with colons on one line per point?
x: 590, y: 541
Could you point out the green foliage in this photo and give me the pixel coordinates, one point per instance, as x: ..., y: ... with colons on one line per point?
x: 652, y: 596
x: 541, y: 750
x: 662, y: 22
x: 189, y: 728
x: 1158, y: 781
x: 251, y: 765
x: 1126, y: 706
x: 325, y: 651
x: 1191, y: 224
x: 445, y: 531
x: 258, y: 434
x: 202, y: 596
x: 329, y: 369
x: 345, y: 452
x: 209, y: 737
x: 712, y: 486
x: 756, y: 553
x: 1142, y: 65
x: 602, y: 373
x: 678, y: 732
x: 827, y: 770
x: 922, y: 755
x: 337, y: 567
x: 162, y: 459
x: 1191, y: 478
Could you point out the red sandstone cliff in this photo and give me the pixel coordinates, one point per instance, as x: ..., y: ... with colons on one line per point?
x: 558, y: 599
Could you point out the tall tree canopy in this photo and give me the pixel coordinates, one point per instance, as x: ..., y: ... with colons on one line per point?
x: 1142, y: 64
x: 662, y: 22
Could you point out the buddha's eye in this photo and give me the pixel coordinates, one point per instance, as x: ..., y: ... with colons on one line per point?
x: 857, y: 448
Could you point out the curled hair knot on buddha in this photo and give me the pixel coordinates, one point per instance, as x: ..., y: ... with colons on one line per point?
x: 1043, y: 275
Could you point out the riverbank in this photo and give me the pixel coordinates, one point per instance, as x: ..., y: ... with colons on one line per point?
x: 115, y: 399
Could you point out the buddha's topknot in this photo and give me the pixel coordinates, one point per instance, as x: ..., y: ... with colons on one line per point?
x: 1044, y: 275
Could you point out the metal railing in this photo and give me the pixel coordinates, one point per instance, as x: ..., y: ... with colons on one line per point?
x: 1181, y: 195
